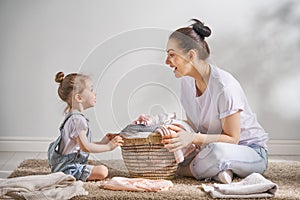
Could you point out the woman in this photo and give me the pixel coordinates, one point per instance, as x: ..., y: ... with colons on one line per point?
x: 227, y: 134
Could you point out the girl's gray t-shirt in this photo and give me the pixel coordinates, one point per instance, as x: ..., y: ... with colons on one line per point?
x: 222, y: 97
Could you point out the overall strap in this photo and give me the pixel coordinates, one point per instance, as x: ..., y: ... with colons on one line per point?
x: 68, y: 116
x: 57, y: 142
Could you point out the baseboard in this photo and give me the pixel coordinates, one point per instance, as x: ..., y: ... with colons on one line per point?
x: 284, y: 147
x: 25, y: 144
x: 40, y: 144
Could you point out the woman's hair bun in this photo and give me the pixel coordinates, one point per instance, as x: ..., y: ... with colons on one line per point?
x: 200, y: 29
x: 59, y: 77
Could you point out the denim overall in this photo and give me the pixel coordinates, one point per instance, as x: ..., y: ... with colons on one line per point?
x: 74, y: 163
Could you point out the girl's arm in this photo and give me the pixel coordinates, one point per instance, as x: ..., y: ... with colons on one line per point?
x: 179, y: 138
x: 108, y: 137
x: 90, y: 147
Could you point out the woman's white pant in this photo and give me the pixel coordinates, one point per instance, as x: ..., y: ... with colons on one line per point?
x: 219, y: 156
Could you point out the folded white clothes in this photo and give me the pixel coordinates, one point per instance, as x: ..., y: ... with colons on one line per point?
x: 137, y: 184
x: 145, y: 125
x: 253, y: 186
x: 53, y: 186
x: 150, y: 120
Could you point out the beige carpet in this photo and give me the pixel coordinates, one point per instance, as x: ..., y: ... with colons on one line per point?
x: 285, y: 174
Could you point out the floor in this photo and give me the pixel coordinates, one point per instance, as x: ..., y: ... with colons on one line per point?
x: 10, y: 160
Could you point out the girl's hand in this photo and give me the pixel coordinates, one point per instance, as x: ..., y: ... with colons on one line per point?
x: 178, y: 138
x: 115, y: 142
x: 110, y: 136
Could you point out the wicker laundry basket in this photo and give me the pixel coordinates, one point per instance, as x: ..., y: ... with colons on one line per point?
x: 147, y: 158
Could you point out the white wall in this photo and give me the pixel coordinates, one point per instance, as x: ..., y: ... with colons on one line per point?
x: 121, y: 45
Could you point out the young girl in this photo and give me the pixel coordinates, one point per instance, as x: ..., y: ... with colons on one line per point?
x: 69, y: 153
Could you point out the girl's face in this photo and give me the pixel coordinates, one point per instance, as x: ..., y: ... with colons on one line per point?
x: 88, y: 95
x: 177, y: 59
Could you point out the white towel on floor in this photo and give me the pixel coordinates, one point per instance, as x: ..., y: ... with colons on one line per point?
x: 53, y: 186
x: 253, y: 186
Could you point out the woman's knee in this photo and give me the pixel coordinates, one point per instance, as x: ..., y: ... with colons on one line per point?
x: 212, y: 152
x: 206, y: 162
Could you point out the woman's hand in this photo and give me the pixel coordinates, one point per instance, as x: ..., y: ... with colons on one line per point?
x: 115, y: 141
x: 178, y: 138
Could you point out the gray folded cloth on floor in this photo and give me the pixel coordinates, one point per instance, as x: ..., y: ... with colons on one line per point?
x: 37, y: 187
x: 253, y: 186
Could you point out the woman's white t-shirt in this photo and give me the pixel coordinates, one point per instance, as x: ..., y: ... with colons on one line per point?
x: 222, y: 97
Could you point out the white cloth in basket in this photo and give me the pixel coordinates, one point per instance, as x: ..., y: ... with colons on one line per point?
x: 184, y: 152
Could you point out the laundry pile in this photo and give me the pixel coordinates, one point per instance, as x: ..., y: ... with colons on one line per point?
x: 148, y: 124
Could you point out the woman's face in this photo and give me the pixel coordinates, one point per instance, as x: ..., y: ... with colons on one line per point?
x: 177, y: 59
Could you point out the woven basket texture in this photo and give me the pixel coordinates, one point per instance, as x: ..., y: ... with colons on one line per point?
x: 147, y: 158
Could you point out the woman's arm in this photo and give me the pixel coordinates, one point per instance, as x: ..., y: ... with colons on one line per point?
x: 231, y: 132
x: 90, y: 147
x: 179, y: 138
